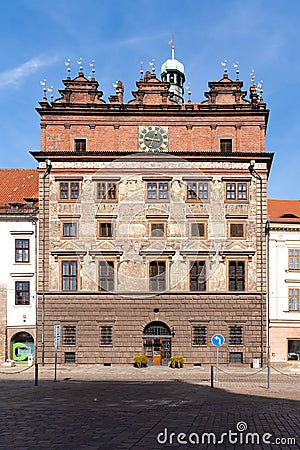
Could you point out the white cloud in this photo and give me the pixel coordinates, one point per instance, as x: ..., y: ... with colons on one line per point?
x: 16, y: 75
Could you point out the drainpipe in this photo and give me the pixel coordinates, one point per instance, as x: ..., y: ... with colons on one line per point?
x: 256, y: 175
x: 46, y: 173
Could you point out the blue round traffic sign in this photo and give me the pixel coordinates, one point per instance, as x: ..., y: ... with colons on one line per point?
x: 218, y: 340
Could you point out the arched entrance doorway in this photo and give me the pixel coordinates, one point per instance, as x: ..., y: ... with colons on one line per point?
x: 157, y: 343
x: 22, y: 345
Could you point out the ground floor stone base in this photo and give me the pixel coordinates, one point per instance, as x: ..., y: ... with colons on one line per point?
x: 102, y: 328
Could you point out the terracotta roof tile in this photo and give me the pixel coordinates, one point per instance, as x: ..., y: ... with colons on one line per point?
x: 17, y: 184
x: 284, y: 210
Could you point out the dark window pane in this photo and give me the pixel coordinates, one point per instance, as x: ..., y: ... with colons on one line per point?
x: 80, y: 145
x: 226, y: 145
x: 69, y: 335
x: 197, y: 276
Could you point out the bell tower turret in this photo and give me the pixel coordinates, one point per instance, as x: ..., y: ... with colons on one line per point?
x: 172, y: 71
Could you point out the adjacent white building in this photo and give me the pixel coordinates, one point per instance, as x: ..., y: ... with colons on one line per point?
x: 284, y: 279
x: 18, y: 235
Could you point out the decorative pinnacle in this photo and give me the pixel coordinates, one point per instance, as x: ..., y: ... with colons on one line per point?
x: 252, y: 77
x: 141, y: 69
x: 67, y: 63
x: 92, y: 65
x: 50, y: 89
x: 152, y: 65
x: 44, y: 84
x: 236, y: 66
x: 224, y: 64
x: 80, y: 64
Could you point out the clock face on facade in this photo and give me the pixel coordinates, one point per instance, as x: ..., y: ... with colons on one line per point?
x: 153, y: 139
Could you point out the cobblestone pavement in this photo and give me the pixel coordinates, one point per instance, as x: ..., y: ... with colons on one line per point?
x: 116, y: 408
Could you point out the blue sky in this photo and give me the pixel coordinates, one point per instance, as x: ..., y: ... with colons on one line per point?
x: 38, y: 37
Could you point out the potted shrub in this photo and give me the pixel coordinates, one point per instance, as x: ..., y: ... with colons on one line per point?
x: 140, y: 361
x: 176, y: 362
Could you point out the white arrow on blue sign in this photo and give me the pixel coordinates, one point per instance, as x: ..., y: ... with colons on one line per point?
x: 218, y: 340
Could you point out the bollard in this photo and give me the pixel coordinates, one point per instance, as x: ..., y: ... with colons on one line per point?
x: 36, y: 374
x: 211, y: 376
x: 269, y: 377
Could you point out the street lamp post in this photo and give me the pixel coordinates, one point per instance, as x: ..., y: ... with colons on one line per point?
x: 256, y: 175
x: 46, y: 173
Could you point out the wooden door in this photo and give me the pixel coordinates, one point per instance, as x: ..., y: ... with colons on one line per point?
x: 157, y: 348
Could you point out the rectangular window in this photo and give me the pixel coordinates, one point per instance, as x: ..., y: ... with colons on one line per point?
x: 22, y: 250
x: 235, y: 358
x: 236, y: 275
x: 197, y: 276
x: 197, y: 190
x: 157, y: 275
x: 69, y: 229
x: 107, y: 190
x: 80, y: 145
x: 69, y: 335
x: 293, y: 349
x: 22, y: 293
x: 69, y: 276
x: 236, y: 230
x: 235, y: 335
x: 106, y: 276
x: 158, y: 191
x: 198, y: 229
x: 70, y: 358
x: 226, y: 145
x: 105, y: 230
x: 158, y: 230
x: 237, y: 191
x: 294, y: 259
x: 69, y: 190
x: 199, y: 336
x: 105, y: 335
x: 294, y: 295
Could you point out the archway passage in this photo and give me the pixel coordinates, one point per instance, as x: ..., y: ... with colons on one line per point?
x: 157, y: 343
x: 22, y: 345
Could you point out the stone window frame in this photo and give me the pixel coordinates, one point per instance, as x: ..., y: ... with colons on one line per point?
x: 110, y: 186
x: 236, y: 182
x: 232, y: 335
x: 72, y: 192
x: 235, y: 357
x: 158, y: 191
x: 194, y: 326
x: 106, y: 325
x: 195, y: 222
x: 68, y: 222
x: 25, y: 251
x: 108, y: 224
x: 68, y: 180
x: 198, y: 180
x: 236, y: 222
x: 20, y: 291
x: 107, y: 261
x: 225, y: 140
x: 293, y: 259
x: 62, y: 277
x: 80, y: 140
x: 155, y: 223
x: 198, y: 198
x: 245, y: 275
x: 191, y: 261
x: 66, y: 327
x: 166, y: 272
x: 294, y: 299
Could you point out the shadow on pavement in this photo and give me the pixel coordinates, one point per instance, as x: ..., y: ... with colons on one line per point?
x: 142, y: 415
